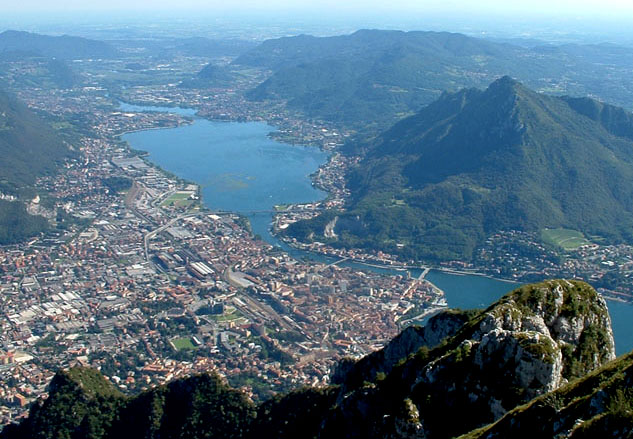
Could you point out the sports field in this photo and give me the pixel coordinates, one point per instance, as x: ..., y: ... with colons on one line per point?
x: 178, y: 199
x: 183, y: 343
x: 564, y: 238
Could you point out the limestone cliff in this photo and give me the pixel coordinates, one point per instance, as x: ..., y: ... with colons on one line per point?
x: 599, y: 405
x: 536, y: 346
x: 351, y: 374
x: 530, y: 342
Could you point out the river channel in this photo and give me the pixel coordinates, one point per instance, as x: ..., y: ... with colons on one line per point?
x: 241, y: 169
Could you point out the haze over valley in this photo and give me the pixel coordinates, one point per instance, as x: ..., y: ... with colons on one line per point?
x: 286, y: 221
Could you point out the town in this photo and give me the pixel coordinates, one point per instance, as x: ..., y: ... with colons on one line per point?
x: 147, y: 285
x: 143, y: 282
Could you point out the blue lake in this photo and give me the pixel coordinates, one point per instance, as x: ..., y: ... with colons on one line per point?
x: 241, y: 169
x: 238, y: 167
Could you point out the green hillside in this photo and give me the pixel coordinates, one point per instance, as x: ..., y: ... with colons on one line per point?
x: 475, y: 162
x: 29, y: 148
x: 16, y: 224
x: 46, y: 73
x: 82, y: 404
x: 60, y: 73
x: 211, y: 75
x: 372, y: 78
x: 369, y: 77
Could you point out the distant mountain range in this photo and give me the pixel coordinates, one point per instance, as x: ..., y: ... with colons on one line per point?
x: 372, y: 78
x: 473, y: 163
x: 64, y: 47
x: 463, y: 370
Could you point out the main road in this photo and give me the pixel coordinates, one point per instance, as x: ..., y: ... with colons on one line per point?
x: 150, y: 235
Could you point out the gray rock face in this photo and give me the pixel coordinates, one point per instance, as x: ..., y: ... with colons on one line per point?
x: 529, y: 343
x: 442, y: 325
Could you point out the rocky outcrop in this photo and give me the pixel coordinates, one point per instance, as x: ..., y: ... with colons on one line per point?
x: 463, y: 370
x: 599, y: 405
x: 351, y: 374
x: 530, y: 342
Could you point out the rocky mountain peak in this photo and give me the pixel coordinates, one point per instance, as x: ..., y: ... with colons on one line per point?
x: 532, y: 341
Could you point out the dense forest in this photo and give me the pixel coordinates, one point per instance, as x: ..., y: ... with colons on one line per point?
x: 30, y: 148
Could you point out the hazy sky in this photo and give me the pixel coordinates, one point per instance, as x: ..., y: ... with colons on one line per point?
x: 614, y: 8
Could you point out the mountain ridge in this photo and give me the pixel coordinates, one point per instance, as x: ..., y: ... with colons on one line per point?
x: 371, y: 78
x: 64, y: 47
x: 514, y: 350
x: 473, y: 163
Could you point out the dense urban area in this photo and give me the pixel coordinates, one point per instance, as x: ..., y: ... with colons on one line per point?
x: 148, y: 285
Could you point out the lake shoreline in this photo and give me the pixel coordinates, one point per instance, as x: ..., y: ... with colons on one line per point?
x: 463, y: 289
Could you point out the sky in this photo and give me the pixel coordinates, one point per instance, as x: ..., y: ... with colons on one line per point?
x: 558, y: 21
x: 613, y: 8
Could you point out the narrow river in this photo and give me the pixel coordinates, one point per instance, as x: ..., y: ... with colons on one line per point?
x: 241, y: 169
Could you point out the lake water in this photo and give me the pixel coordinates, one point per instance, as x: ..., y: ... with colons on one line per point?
x: 241, y: 169
x: 238, y: 167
